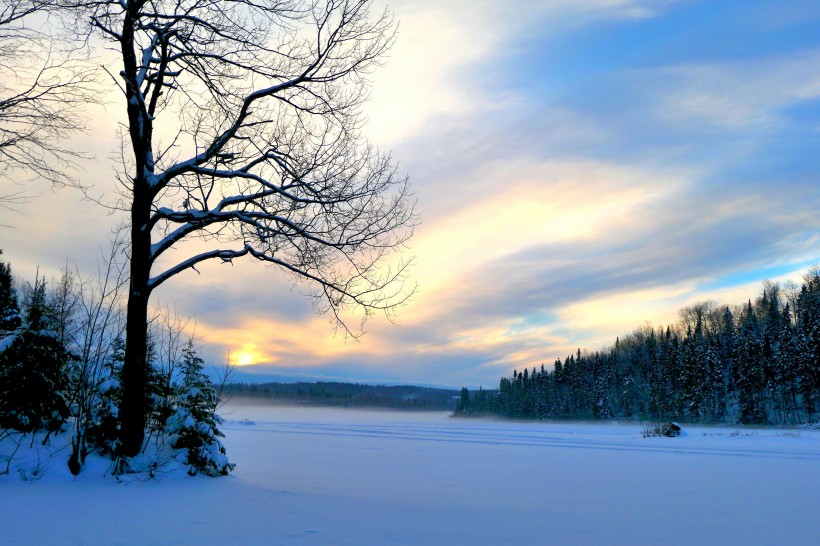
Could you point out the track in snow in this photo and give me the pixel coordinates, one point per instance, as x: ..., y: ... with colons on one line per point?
x: 544, y: 435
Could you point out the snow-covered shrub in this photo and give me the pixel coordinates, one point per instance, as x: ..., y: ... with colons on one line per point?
x: 669, y: 430
x: 193, y: 427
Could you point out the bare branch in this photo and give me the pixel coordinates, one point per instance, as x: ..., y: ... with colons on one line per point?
x: 267, y: 161
x: 43, y: 94
x: 265, y: 99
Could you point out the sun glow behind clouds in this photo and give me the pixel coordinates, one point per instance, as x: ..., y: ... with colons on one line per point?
x: 245, y: 358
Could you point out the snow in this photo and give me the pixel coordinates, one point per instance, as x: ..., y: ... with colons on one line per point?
x: 325, y: 476
x: 109, y: 384
x: 6, y: 342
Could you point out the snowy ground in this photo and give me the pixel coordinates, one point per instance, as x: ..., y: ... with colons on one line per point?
x: 323, y: 477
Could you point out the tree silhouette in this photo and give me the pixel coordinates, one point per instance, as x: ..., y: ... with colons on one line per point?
x: 260, y: 105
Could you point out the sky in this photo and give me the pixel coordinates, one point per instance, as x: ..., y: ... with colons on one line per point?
x: 581, y: 168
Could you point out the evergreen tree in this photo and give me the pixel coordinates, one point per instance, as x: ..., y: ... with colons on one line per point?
x: 602, y: 410
x: 809, y: 347
x: 726, y: 354
x: 104, y: 431
x: 33, y: 372
x: 9, y: 308
x: 464, y: 401
x: 193, y: 425
x: 159, y: 390
x: 716, y: 395
x: 786, y: 370
x: 694, y: 374
x: 749, y: 376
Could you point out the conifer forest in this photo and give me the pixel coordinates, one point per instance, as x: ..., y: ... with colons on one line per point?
x: 757, y: 363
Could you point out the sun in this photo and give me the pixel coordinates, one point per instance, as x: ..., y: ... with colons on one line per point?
x: 244, y: 358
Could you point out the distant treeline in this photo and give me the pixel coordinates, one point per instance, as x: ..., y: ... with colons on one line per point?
x: 754, y: 363
x: 346, y: 395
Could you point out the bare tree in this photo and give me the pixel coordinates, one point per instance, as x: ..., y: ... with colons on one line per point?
x: 705, y: 314
x: 43, y: 94
x: 259, y: 103
x: 93, y: 320
x: 791, y: 291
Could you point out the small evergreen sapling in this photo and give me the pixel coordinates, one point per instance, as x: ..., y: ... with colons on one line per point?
x: 104, y: 430
x: 159, y: 390
x: 193, y: 425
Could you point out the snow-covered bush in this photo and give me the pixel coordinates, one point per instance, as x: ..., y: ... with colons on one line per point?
x: 60, y: 371
x: 669, y: 430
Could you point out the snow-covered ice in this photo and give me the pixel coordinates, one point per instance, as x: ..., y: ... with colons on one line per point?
x: 325, y: 476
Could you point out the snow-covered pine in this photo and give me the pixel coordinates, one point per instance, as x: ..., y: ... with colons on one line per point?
x: 602, y: 410
x: 9, y: 309
x: 193, y: 427
x: 33, y: 372
x: 160, y: 392
x: 104, y: 431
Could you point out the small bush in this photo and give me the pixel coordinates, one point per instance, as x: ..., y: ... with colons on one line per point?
x: 669, y: 430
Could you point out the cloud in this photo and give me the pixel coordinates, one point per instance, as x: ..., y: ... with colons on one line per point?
x: 510, y: 214
x: 448, y: 53
x: 730, y: 96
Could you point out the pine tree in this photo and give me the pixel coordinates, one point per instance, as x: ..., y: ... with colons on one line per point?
x: 33, y: 372
x: 159, y: 389
x: 9, y: 309
x: 809, y: 347
x: 694, y: 377
x: 193, y: 425
x: 726, y: 356
x: 602, y: 410
x: 749, y: 376
x: 785, y: 370
x: 464, y: 401
x: 716, y: 395
x: 104, y: 431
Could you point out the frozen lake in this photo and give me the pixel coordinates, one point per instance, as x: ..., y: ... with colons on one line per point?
x: 324, y: 476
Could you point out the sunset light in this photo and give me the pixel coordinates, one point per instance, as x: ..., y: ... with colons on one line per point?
x: 244, y: 358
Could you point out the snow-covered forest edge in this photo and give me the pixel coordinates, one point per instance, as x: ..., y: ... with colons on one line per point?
x: 755, y: 363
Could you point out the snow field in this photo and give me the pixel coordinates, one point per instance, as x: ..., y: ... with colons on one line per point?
x: 323, y: 476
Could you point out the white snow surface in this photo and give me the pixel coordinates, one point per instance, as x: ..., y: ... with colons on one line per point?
x: 329, y: 476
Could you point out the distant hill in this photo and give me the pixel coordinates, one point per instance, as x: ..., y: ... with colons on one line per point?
x: 321, y: 393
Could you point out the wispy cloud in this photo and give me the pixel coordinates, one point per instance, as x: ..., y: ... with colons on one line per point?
x: 739, y: 95
x: 448, y: 52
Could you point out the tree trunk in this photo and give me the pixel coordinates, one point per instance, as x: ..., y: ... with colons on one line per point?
x: 135, y: 368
